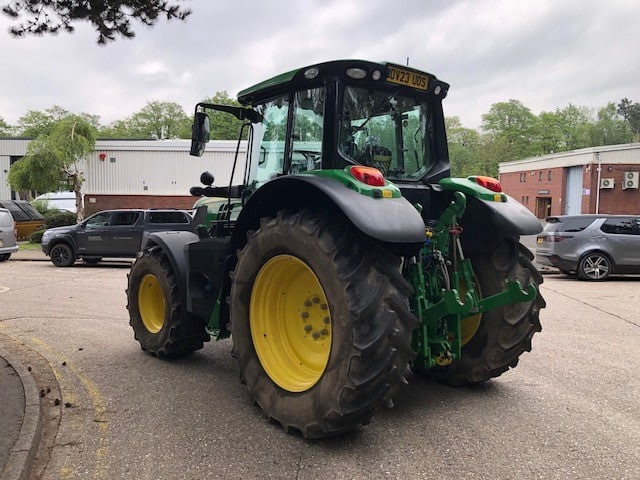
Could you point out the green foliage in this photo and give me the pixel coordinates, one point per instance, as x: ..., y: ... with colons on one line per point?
x: 34, y: 122
x: 5, y: 128
x: 223, y: 125
x: 110, y: 18
x: 630, y: 111
x: 155, y: 120
x: 58, y: 218
x: 53, y: 159
x: 36, y: 236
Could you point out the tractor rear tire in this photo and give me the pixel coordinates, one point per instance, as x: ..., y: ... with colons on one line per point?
x: 159, y: 320
x: 504, y: 333
x: 320, y: 323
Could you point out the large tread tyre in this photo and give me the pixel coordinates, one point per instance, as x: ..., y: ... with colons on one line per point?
x: 62, y: 255
x: 159, y: 320
x: 370, y: 322
x: 505, y: 333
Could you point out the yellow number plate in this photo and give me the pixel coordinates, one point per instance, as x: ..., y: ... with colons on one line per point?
x: 407, y: 78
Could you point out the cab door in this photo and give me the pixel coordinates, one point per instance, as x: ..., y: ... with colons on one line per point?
x: 93, y: 235
x: 125, y: 232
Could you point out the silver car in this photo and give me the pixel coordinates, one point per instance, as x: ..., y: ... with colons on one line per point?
x: 591, y: 246
x: 8, y: 244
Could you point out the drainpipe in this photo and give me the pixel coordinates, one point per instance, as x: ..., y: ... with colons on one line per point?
x: 597, y: 154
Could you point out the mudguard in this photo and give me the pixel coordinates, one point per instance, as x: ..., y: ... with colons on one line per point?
x: 486, y: 223
x: 389, y: 220
x: 173, y: 243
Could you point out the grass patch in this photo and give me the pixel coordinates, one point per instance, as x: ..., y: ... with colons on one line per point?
x: 29, y: 246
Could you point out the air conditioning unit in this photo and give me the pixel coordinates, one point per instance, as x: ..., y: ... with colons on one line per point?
x: 606, y: 183
x: 630, y: 180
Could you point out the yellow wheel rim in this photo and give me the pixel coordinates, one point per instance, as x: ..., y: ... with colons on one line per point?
x: 469, y: 325
x: 290, y: 323
x: 151, y: 303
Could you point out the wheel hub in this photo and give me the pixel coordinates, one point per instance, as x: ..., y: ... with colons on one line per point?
x: 290, y: 323
x: 151, y: 303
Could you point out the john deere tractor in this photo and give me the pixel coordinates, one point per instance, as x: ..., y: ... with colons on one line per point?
x: 346, y: 257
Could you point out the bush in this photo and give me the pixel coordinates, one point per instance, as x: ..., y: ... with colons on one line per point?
x: 36, y: 236
x: 58, y: 218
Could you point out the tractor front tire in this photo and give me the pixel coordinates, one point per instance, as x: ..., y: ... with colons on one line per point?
x: 320, y: 323
x: 159, y: 320
x: 497, y: 338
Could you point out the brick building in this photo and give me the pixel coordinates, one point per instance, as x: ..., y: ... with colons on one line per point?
x: 590, y: 180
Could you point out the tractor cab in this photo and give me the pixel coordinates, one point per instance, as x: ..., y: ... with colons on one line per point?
x: 337, y: 114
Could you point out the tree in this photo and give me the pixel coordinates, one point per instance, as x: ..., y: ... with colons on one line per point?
x: 110, y: 18
x: 224, y: 126
x: 610, y: 128
x: 463, y: 146
x: 5, y: 128
x: 631, y: 113
x: 159, y: 120
x: 35, y: 122
x: 514, y: 123
x: 53, y: 160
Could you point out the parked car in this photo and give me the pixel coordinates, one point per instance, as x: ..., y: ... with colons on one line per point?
x: 110, y: 233
x: 591, y: 246
x: 8, y: 235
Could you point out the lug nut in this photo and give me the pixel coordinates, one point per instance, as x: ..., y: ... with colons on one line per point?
x: 316, y: 299
x: 324, y: 331
x: 307, y: 304
x: 326, y: 320
x: 323, y: 306
x: 304, y: 314
x: 316, y: 335
x: 307, y: 328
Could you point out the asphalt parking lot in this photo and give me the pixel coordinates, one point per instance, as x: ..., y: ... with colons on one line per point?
x: 569, y: 410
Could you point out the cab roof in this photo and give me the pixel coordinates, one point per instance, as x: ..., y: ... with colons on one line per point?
x: 385, y: 73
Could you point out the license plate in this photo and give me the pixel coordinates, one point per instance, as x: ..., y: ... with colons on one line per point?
x: 400, y: 76
x: 539, y: 240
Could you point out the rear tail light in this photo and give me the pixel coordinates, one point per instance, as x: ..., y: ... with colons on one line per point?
x: 369, y: 175
x: 556, y: 238
x: 488, y: 183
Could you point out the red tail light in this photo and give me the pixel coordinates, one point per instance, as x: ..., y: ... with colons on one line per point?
x: 369, y: 175
x: 488, y: 182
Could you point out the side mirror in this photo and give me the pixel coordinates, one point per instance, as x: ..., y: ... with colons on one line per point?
x: 199, y: 133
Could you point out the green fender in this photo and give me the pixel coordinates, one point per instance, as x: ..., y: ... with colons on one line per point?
x: 389, y: 220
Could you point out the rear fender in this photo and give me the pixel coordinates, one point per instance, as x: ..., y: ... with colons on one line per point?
x: 486, y: 223
x: 392, y: 221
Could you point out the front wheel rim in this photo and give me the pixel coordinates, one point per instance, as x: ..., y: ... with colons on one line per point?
x: 151, y: 303
x: 290, y: 323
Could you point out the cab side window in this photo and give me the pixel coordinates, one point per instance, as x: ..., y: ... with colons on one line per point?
x: 99, y: 220
x: 306, y: 149
x: 269, y: 140
x: 618, y: 226
x: 125, y: 218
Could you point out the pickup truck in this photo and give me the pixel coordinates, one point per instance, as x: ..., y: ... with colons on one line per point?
x: 110, y: 233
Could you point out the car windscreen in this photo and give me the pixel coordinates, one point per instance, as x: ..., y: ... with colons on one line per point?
x: 570, y: 224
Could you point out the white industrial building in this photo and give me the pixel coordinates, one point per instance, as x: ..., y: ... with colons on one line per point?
x: 138, y: 173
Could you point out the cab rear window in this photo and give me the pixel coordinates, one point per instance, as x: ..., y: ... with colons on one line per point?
x: 168, y: 217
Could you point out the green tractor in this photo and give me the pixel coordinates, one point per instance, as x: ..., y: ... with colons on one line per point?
x: 347, y: 257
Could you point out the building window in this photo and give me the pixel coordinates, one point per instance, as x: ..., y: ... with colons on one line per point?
x: 549, y: 175
x: 540, y: 176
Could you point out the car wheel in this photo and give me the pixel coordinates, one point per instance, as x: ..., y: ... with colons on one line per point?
x: 595, y: 266
x: 4, y: 257
x: 62, y: 255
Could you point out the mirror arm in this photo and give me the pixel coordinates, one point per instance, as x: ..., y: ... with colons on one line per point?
x: 240, y: 113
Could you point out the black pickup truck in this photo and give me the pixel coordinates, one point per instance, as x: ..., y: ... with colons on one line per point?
x: 110, y: 233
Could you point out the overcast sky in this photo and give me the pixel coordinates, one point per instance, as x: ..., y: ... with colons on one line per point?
x: 546, y: 54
